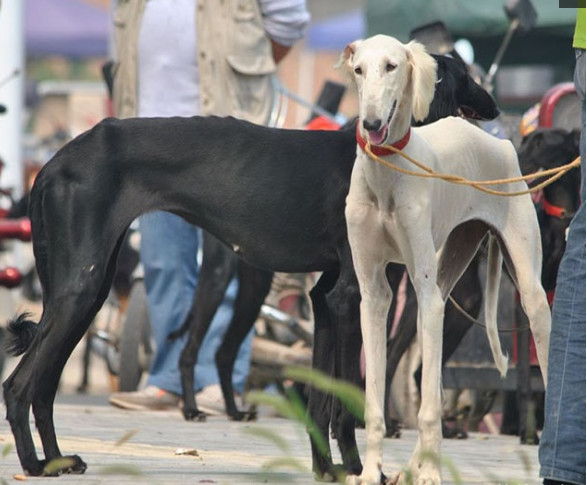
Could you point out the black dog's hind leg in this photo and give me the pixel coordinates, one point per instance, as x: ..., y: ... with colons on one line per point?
x: 53, y: 352
x: 468, y: 293
x: 526, y: 419
x: 396, y: 347
x: 343, y: 302
x: 320, y: 403
x: 254, y: 285
x: 218, y: 267
x: 58, y: 346
x: 17, y: 398
x: 36, y: 378
x: 75, y: 285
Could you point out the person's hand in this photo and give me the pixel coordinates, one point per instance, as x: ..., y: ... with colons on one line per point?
x: 279, y: 51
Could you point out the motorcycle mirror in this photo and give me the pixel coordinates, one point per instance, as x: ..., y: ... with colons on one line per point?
x: 523, y: 11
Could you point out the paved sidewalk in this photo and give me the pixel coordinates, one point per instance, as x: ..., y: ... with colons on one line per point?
x: 225, y: 452
x: 232, y: 453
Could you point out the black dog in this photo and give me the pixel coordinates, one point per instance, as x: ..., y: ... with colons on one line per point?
x: 548, y: 148
x: 544, y: 149
x: 276, y: 197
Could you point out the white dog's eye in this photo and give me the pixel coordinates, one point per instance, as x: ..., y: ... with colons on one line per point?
x: 358, y: 71
x: 390, y: 66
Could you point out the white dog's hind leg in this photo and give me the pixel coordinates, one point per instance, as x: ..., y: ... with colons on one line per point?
x: 525, y: 253
x: 494, y: 262
x: 365, y: 233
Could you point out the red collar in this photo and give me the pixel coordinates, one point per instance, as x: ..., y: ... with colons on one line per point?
x: 553, y: 210
x: 383, y: 150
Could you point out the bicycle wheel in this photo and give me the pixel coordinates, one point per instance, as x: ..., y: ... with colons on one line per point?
x: 135, y: 343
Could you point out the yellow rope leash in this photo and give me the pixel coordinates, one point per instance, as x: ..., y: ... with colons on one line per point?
x: 552, y: 174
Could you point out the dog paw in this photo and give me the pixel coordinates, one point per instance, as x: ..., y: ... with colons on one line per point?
x: 78, y: 467
x: 528, y: 438
x: 194, y: 415
x: 250, y: 415
x: 423, y: 476
x: 454, y: 433
x: 72, y: 464
x: 428, y: 475
x: 393, y: 429
x: 407, y: 478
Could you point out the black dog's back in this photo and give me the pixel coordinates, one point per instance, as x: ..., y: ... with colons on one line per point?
x: 212, y: 165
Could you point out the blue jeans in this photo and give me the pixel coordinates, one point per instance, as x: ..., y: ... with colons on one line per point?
x: 562, y: 444
x: 169, y: 248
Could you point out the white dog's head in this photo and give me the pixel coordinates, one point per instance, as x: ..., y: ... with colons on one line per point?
x: 395, y: 81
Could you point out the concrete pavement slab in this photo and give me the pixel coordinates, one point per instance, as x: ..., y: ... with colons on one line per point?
x: 225, y: 452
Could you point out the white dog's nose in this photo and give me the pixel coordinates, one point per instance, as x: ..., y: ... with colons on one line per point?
x: 372, y: 125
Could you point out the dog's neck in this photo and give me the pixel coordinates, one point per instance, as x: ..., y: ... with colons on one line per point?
x: 383, y: 150
x: 402, y: 121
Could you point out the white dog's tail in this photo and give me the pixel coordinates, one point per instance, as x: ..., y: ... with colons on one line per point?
x: 494, y: 262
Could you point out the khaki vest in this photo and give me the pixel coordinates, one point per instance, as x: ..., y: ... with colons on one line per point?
x: 235, y: 59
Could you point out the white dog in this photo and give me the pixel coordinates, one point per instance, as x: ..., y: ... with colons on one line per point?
x: 432, y: 226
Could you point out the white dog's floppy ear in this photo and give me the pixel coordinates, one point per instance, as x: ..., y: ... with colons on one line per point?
x: 423, y: 79
x: 345, y: 62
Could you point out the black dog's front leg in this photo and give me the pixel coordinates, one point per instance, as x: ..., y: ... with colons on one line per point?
x: 320, y: 403
x: 254, y: 285
x: 526, y: 419
x: 343, y: 302
x: 468, y: 294
x: 218, y: 267
x: 406, y: 331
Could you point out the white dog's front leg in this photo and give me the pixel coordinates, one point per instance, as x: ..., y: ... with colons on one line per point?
x: 364, y: 234
x: 374, y: 308
x: 373, y: 328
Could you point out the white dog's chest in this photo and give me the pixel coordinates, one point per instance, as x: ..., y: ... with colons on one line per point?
x: 399, y: 202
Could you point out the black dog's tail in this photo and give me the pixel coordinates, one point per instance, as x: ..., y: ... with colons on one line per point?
x: 21, y: 332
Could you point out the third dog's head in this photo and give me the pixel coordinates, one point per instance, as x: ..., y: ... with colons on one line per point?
x: 548, y: 148
x: 394, y: 81
x: 458, y: 94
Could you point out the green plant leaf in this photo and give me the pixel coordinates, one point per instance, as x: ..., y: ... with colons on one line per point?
x: 295, y: 411
x: 6, y: 450
x: 126, y: 436
x: 350, y: 395
x: 57, y: 464
x: 285, y: 462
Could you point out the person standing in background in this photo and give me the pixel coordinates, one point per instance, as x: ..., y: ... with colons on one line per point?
x: 562, y: 443
x: 183, y: 58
